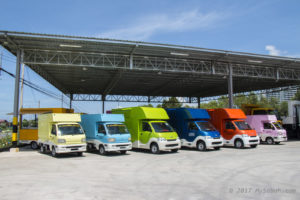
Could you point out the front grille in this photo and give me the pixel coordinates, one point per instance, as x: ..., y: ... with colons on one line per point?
x: 122, y: 145
x: 216, y: 142
x: 171, y: 145
x: 253, y: 140
x: 171, y: 140
x: 216, y: 137
x: 74, y: 147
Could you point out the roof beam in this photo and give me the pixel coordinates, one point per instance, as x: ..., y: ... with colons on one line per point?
x: 112, y: 83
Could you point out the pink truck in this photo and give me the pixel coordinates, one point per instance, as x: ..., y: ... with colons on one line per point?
x: 267, y: 128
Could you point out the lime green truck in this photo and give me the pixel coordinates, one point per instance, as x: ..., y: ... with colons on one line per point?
x: 149, y: 129
x: 61, y: 133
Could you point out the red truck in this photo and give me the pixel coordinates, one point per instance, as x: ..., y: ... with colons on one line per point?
x: 233, y: 128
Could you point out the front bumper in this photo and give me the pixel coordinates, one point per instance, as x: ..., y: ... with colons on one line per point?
x: 70, y: 148
x: 280, y: 138
x: 248, y: 141
x: 211, y: 143
x: 169, y: 145
x: 118, y: 146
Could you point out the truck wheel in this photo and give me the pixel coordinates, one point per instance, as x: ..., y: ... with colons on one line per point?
x: 79, y: 153
x: 277, y: 142
x: 269, y: 140
x: 239, y: 144
x: 53, y: 152
x: 174, y: 150
x: 102, y: 150
x: 123, y: 152
x: 34, y: 145
x: 42, y: 148
x: 89, y: 147
x: 201, y: 146
x: 154, y: 148
x: 217, y: 148
x: 253, y: 145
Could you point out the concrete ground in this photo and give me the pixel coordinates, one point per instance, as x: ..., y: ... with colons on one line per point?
x: 267, y: 172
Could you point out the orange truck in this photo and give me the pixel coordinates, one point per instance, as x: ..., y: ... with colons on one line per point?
x: 233, y: 128
x: 28, y: 133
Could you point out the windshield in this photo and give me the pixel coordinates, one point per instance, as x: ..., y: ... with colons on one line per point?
x: 116, y: 129
x: 242, y: 125
x: 264, y: 112
x: 162, y: 127
x: 277, y: 125
x: 69, y: 129
x: 206, y: 126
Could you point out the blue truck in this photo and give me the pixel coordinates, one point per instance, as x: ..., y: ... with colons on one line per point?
x: 106, y: 133
x: 194, y: 129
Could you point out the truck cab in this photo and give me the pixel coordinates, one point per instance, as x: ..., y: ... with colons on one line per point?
x: 106, y: 133
x: 194, y: 128
x: 61, y: 133
x: 268, y: 128
x: 233, y: 127
x: 149, y: 129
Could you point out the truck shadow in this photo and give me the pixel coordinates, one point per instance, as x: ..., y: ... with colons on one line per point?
x: 146, y: 151
x: 195, y: 150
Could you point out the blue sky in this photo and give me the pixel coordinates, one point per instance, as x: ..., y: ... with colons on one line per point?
x: 264, y: 27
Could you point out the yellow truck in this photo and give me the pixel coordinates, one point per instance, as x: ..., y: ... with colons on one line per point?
x: 61, y: 133
x: 28, y: 133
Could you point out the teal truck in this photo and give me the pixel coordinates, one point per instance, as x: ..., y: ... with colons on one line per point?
x: 149, y: 129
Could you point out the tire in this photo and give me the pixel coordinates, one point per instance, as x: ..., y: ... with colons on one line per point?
x: 89, y: 147
x: 154, y: 148
x: 42, y: 149
x: 277, y: 142
x: 253, y: 145
x: 53, y: 152
x: 269, y: 140
x: 217, y: 148
x: 239, y: 144
x: 102, y: 150
x: 123, y: 152
x: 34, y: 145
x: 174, y: 150
x: 79, y: 153
x: 201, y: 146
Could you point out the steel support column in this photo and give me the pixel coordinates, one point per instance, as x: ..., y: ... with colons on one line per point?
x: 198, y: 101
x: 71, y: 99
x: 16, y: 98
x: 230, y: 87
x: 103, y: 104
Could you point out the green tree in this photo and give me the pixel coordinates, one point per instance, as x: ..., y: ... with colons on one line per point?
x: 147, y: 105
x: 172, y: 102
x: 297, y: 95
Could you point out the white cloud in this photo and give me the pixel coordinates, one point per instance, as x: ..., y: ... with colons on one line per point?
x: 272, y: 50
x: 147, y: 26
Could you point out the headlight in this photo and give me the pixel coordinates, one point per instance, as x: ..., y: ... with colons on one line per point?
x: 208, y: 137
x: 245, y: 135
x: 161, y: 139
x: 61, y: 141
x: 129, y: 139
x: 111, y: 139
x: 83, y: 140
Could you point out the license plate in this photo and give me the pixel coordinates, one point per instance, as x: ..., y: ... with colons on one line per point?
x: 74, y: 149
x: 122, y: 147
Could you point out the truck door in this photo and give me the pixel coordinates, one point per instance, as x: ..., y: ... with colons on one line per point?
x: 145, y: 134
x: 229, y: 130
x: 268, y: 128
x: 101, y: 132
x: 192, y: 131
x: 53, y: 135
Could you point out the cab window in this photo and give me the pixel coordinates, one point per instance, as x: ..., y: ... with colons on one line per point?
x: 53, y: 130
x: 101, y: 129
x: 268, y: 126
x: 146, y: 127
x: 229, y: 125
x: 192, y: 126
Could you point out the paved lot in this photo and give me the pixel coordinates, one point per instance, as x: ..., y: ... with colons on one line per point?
x: 268, y: 172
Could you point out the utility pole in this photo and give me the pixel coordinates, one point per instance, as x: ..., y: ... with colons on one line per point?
x: 22, y: 85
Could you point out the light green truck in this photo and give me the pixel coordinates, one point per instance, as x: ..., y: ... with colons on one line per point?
x: 149, y: 129
x: 61, y: 133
